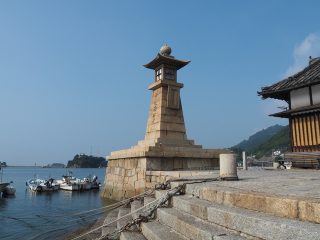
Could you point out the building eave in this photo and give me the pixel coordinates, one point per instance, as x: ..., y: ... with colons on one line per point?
x: 284, y: 94
x: 310, y: 75
x: 297, y: 111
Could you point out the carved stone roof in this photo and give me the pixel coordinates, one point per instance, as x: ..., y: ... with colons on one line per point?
x: 308, y: 76
x: 168, y: 60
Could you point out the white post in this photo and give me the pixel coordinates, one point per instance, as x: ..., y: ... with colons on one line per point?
x: 228, y: 166
x: 244, y: 161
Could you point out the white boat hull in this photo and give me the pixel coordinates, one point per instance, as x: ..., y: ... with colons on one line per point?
x: 70, y: 187
x: 70, y: 183
x: 85, y: 186
x: 39, y: 185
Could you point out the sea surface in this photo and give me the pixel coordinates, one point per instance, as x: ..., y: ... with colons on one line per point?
x: 47, y: 215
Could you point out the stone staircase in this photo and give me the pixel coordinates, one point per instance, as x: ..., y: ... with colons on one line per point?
x: 202, y: 214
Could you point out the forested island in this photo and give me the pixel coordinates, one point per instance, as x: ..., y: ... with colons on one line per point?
x: 87, y: 161
x: 55, y: 165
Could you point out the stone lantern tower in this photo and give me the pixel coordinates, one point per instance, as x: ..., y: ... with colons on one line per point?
x: 165, y: 122
x: 165, y: 151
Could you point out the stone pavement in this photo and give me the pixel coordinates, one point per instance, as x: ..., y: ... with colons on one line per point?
x: 293, y: 182
x: 291, y: 194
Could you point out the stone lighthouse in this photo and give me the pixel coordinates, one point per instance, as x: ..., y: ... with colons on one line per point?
x: 165, y: 152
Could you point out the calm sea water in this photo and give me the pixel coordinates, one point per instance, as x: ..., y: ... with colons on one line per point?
x: 50, y: 215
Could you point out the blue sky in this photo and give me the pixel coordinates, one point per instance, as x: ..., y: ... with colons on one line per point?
x: 72, y: 81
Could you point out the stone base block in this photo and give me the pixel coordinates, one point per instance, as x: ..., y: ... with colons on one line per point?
x: 129, y: 177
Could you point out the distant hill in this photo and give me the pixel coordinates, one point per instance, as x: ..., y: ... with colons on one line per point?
x: 258, y: 138
x: 85, y: 161
x: 55, y: 165
x: 264, y: 141
x: 279, y: 141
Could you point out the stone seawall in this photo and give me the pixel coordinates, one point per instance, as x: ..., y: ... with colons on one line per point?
x: 125, y: 178
x: 129, y: 177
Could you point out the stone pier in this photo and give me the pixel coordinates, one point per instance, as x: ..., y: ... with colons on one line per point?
x: 165, y: 152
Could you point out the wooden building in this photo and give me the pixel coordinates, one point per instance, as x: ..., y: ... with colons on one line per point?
x: 302, y: 93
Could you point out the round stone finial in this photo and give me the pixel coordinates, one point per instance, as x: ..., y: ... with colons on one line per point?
x: 165, y: 50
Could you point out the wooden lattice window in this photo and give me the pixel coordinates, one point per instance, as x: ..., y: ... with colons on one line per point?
x: 159, y: 74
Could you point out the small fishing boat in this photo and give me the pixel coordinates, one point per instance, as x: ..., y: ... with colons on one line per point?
x: 5, y: 187
x: 94, y: 183
x: 40, y: 185
x: 69, y: 183
x: 85, y: 184
x: 70, y: 186
x: 9, y: 190
x: 89, y: 183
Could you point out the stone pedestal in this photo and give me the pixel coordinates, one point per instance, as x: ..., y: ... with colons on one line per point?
x: 135, y: 170
x: 165, y: 146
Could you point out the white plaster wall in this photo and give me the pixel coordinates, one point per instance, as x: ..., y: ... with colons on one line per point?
x: 300, y: 98
x: 316, y: 94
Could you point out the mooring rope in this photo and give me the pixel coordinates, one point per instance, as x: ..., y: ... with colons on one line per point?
x: 123, y: 202
x: 109, y: 223
x: 145, y: 216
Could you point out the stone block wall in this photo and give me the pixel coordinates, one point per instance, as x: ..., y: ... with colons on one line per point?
x: 182, y: 164
x: 154, y: 177
x: 125, y: 178
x: 129, y: 177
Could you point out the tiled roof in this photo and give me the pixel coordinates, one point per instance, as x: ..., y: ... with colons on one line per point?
x: 308, y: 76
x: 297, y: 111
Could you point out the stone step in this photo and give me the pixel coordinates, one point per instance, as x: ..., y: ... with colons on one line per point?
x: 136, y: 204
x: 122, y: 212
x: 193, y: 227
x: 157, y: 231
x: 131, y: 236
x: 112, y: 216
x: 306, y: 209
x: 148, y: 200
x: 159, y: 193
x: 252, y: 223
x: 192, y: 206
